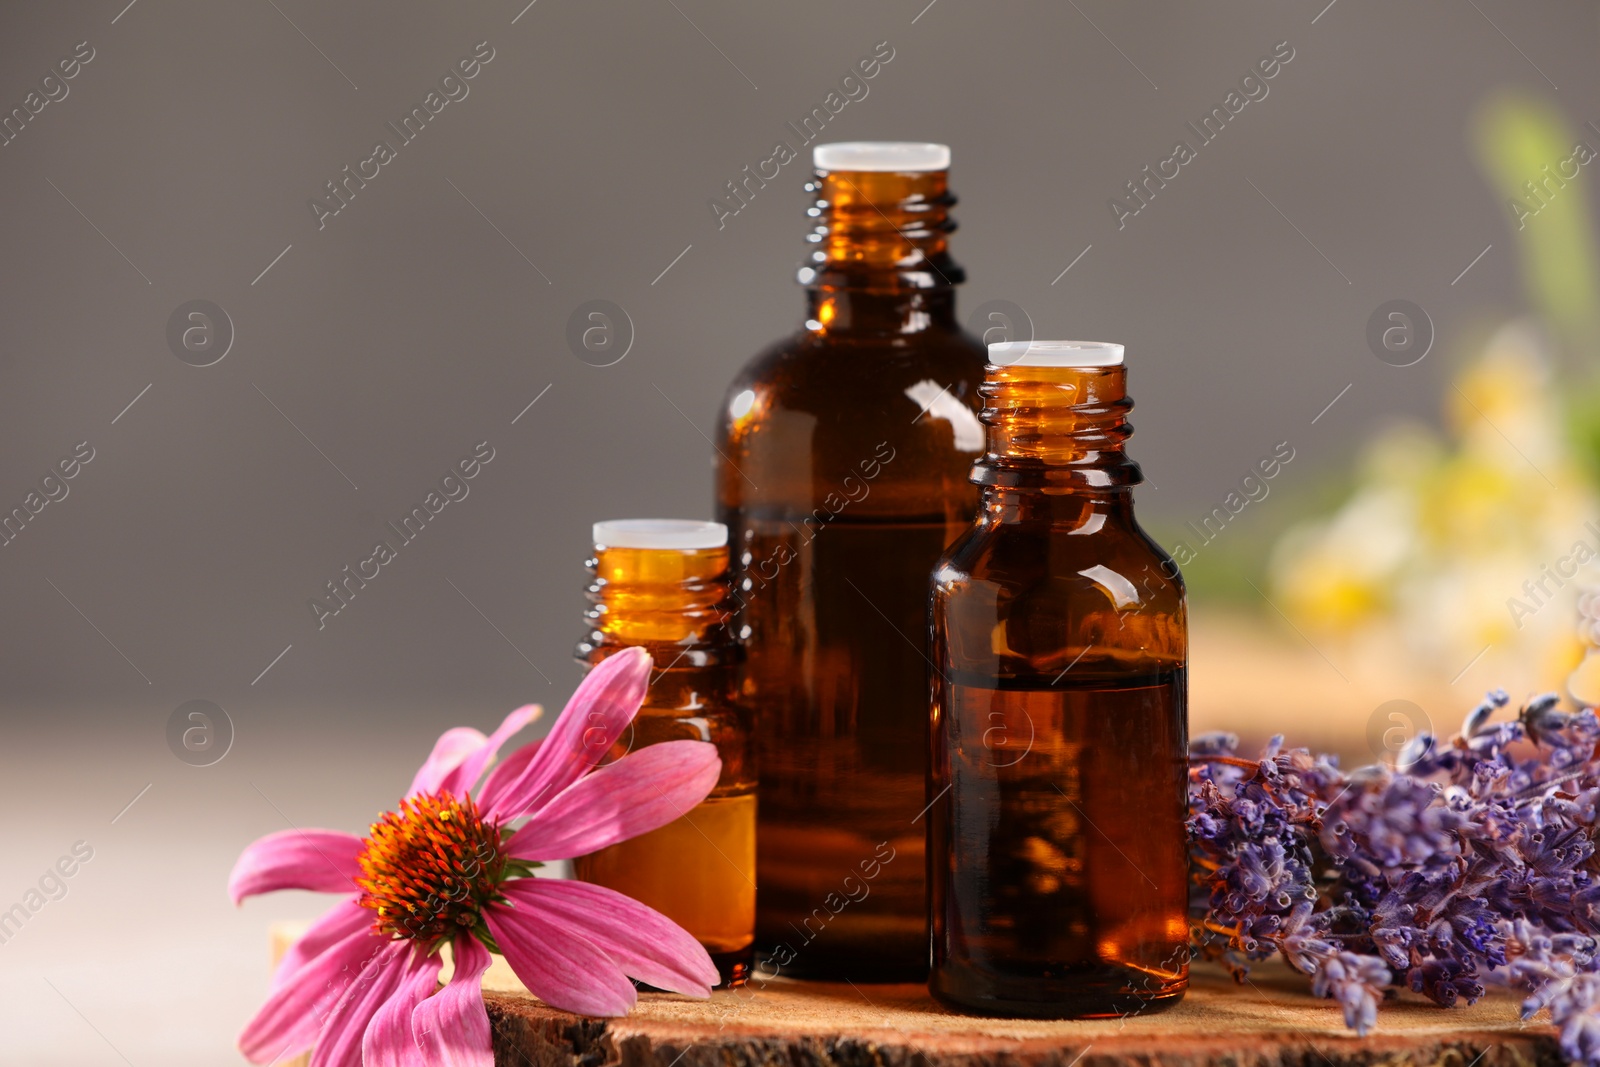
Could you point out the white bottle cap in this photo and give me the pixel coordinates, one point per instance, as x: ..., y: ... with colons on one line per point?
x: 902, y: 156
x: 660, y: 533
x: 1055, y: 354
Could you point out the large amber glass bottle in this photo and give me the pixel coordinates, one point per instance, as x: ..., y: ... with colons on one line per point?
x: 844, y: 451
x: 1057, y: 859
x: 663, y: 585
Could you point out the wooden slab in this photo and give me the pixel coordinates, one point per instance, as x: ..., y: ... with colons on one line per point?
x: 1272, y: 1022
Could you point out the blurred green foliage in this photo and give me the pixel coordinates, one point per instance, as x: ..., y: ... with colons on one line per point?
x: 1522, y: 142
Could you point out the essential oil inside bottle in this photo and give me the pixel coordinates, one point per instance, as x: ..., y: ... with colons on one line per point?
x: 844, y: 451
x: 1059, y: 731
x: 663, y: 585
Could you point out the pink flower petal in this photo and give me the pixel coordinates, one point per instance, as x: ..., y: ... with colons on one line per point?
x: 640, y: 792
x: 337, y: 923
x: 557, y: 964
x: 387, y: 1041
x: 644, y: 943
x: 461, y: 780
x: 451, y: 1028
x: 339, y: 1041
x: 320, y: 860
x: 504, y: 775
x: 452, y: 748
x: 287, y: 1023
x: 599, y: 711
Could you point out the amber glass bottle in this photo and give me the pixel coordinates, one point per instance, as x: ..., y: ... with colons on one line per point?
x: 844, y: 452
x: 663, y: 585
x: 1057, y: 860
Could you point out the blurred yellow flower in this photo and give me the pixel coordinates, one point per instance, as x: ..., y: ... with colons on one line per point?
x: 1446, y: 547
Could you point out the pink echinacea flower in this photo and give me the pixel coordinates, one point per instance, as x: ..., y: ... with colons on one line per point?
x: 447, y: 867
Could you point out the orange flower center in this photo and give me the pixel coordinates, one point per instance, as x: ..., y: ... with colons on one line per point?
x: 429, y: 869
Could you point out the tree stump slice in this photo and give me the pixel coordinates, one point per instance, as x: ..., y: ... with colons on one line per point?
x: 1272, y: 1021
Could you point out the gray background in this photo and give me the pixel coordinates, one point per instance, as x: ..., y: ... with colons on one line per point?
x: 413, y: 326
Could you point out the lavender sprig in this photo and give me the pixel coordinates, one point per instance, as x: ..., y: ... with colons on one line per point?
x: 1471, y: 860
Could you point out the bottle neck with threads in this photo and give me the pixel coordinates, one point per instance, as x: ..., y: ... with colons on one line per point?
x: 1056, y: 418
x: 663, y: 585
x: 880, y: 263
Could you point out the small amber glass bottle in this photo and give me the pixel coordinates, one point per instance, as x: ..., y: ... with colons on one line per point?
x: 1057, y: 866
x: 843, y: 452
x: 662, y: 585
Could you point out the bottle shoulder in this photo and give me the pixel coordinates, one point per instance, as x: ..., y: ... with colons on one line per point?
x: 1018, y: 602
x: 1013, y: 559
x: 694, y: 722
x: 819, y: 371
x: 894, y: 429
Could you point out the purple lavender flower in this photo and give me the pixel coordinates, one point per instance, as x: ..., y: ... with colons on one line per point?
x: 1387, y: 820
x: 1470, y: 855
x: 1357, y: 983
